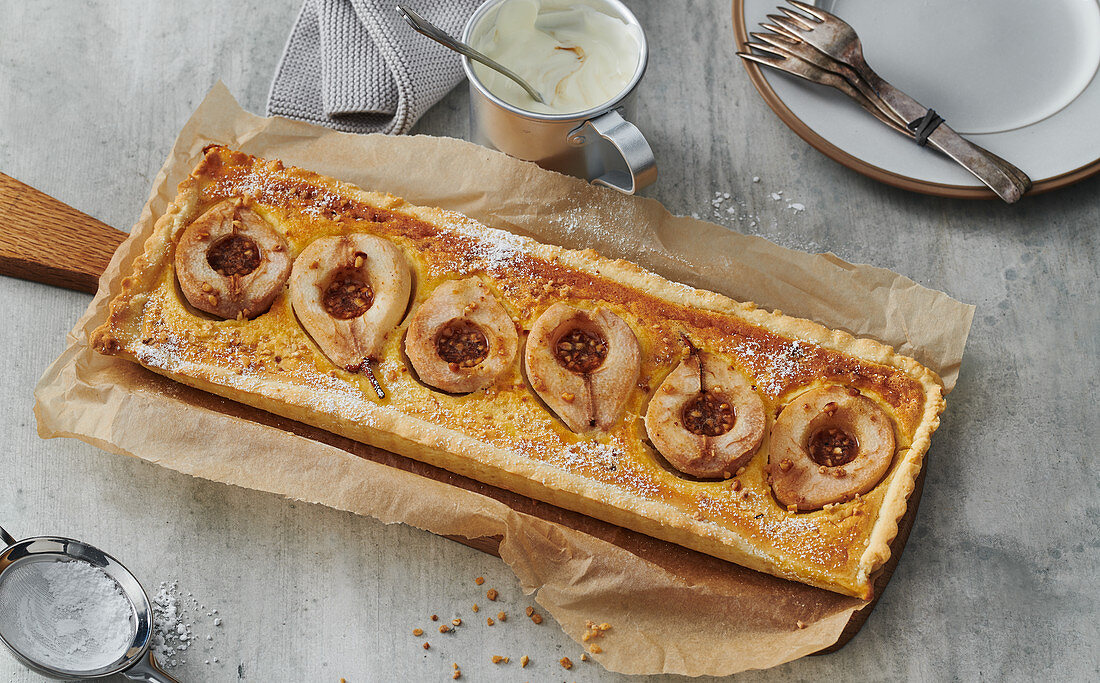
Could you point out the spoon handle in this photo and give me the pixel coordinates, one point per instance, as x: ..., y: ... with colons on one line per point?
x: 425, y: 27
x: 5, y: 538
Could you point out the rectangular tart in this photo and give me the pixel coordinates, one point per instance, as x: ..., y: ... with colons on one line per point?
x: 503, y: 433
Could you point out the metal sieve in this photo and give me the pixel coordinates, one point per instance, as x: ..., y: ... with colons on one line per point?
x: 137, y: 662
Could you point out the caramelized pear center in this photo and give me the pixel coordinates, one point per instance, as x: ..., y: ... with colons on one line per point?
x: 580, y: 351
x: 235, y: 255
x: 462, y: 344
x: 832, y: 447
x: 707, y: 415
x: 347, y: 296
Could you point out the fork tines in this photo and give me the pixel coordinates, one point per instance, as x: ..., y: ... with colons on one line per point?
x: 782, y: 47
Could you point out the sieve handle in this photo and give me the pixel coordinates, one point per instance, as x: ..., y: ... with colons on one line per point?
x: 6, y: 538
x: 148, y: 670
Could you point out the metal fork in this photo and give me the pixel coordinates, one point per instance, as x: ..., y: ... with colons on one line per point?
x: 789, y: 53
x: 835, y: 38
x: 778, y: 59
x: 790, y: 44
x: 794, y: 47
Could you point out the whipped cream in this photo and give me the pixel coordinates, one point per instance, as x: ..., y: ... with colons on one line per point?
x: 576, y: 54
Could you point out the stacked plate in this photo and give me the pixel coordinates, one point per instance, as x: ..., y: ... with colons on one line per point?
x: 1017, y: 77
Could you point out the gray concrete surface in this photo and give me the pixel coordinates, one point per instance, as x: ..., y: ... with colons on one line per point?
x: 1000, y: 579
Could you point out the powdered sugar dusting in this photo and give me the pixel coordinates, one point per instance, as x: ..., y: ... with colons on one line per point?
x: 710, y: 508
x: 578, y: 457
x: 161, y: 353
x: 243, y: 372
x: 582, y: 227
x: 182, y: 624
x: 731, y: 211
x: 491, y: 250
x: 779, y: 366
x: 592, y: 452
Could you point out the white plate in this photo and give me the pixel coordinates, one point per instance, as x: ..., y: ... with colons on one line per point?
x: 1018, y: 77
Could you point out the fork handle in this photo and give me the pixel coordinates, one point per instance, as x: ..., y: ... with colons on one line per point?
x: 1009, y: 182
x: 1010, y: 185
x: 875, y: 106
x: 866, y: 95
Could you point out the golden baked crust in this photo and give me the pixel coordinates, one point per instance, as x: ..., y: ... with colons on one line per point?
x: 502, y: 434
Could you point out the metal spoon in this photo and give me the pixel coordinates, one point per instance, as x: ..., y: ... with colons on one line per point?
x: 440, y: 36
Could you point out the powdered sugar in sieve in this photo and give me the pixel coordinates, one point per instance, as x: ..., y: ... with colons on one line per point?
x: 69, y: 615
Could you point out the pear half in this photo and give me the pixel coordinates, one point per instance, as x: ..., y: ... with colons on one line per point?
x: 230, y: 262
x: 827, y: 446
x: 583, y: 364
x: 461, y: 338
x: 705, y: 418
x: 349, y: 292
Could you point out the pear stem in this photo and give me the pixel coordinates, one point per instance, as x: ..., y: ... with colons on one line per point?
x: 368, y: 365
x: 693, y: 350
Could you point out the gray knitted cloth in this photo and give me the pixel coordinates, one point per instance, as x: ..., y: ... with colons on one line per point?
x: 356, y: 66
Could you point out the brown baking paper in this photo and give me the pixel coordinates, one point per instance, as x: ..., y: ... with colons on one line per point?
x: 672, y: 610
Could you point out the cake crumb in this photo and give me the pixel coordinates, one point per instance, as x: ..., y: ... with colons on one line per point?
x: 475, y: 608
x: 502, y: 617
x: 479, y: 580
x: 492, y: 594
x: 418, y: 631
x: 426, y: 645
x: 801, y: 624
x: 489, y: 621
x: 566, y: 663
x: 523, y: 661
x: 594, y: 630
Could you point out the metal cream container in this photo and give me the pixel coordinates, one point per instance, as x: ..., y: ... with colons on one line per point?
x: 597, y: 144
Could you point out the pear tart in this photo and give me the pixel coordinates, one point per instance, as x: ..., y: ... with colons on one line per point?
x: 766, y: 440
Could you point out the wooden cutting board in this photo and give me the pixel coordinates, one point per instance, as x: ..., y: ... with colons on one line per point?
x: 48, y: 241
